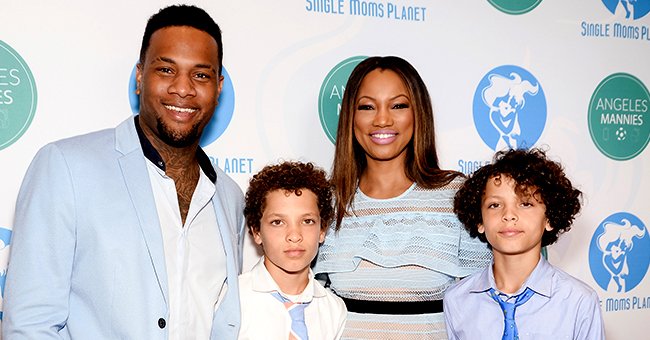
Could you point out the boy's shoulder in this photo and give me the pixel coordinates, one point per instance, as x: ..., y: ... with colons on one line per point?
x: 245, y: 276
x: 569, y: 283
x: 473, y: 282
x: 256, y: 275
x: 331, y: 306
x: 245, y: 281
x: 329, y: 297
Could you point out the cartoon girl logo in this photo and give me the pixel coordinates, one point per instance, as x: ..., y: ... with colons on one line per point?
x: 619, y: 253
x: 628, y: 9
x: 615, y: 243
x: 509, y: 108
x: 505, y: 98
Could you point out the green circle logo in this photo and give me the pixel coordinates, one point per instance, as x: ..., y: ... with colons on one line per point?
x: 515, y: 7
x: 331, y: 94
x: 617, y: 116
x: 17, y: 96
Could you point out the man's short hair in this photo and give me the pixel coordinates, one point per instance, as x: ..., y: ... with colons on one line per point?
x: 182, y: 15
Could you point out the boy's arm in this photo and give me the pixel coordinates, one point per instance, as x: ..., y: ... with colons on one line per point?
x: 589, y: 325
x: 451, y: 333
x: 341, y: 326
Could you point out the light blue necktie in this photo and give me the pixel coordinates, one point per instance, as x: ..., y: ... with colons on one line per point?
x: 510, y: 329
x: 297, y: 313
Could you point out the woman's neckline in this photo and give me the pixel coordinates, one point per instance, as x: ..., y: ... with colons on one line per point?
x: 404, y: 193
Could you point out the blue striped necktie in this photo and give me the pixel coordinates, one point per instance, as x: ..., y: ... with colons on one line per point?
x: 510, y: 328
x: 297, y: 313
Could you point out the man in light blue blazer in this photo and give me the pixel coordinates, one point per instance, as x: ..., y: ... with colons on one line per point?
x: 130, y: 233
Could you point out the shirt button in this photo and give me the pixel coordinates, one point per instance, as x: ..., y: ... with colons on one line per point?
x: 162, y: 323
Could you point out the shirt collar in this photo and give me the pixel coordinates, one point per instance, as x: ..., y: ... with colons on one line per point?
x: 540, y: 280
x: 484, y: 281
x: 264, y: 283
x: 154, y: 157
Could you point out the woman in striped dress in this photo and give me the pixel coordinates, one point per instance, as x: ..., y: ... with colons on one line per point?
x: 396, y: 245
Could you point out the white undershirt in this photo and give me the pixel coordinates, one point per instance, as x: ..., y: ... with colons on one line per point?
x: 194, y: 256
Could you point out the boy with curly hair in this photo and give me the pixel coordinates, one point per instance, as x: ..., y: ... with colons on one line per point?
x: 518, y: 204
x: 288, y: 209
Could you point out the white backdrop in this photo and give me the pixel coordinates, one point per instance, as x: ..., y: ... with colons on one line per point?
x: 278, y: 54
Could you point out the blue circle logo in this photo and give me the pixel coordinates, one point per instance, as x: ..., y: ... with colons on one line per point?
x: 619, y: 252
x: 509, y: 108
x: 222, y: 113
x: 5, y: 239
x: 631, y: 9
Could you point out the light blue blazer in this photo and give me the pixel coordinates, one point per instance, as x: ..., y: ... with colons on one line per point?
x: 87, y: 257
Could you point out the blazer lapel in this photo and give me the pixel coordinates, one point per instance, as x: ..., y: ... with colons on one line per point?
x: 136, y: 177
x: 225, y: 221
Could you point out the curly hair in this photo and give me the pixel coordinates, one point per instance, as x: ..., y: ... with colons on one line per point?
x: 534, y: 174
x: 293, y: 177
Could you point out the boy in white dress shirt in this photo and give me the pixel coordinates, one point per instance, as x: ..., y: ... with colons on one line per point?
x: 288, y: 209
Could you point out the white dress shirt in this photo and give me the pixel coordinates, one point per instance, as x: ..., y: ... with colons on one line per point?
x: 264, y: 317
x: 194, y: 256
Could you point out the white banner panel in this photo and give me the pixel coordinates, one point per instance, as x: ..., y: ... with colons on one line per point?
x: 66, y: 68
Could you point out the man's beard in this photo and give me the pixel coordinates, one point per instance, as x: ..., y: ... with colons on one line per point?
x: 175, y: 138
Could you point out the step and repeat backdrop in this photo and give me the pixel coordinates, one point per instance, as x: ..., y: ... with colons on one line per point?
x: 574, y: 73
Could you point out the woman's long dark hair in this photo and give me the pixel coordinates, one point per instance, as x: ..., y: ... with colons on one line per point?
x: 421, y: 164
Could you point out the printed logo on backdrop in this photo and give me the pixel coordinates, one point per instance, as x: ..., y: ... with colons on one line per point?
x: 618, y: 113
x: 331, y: 94
x: 619, y: 255
x: 5, y: 239
x: 624, y: 26
x: 509, y: 108
x: 515, y: 7
x: 17, y: 96
x: 222, y: 114
x: 630, y: 9
x: 396, y: 10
